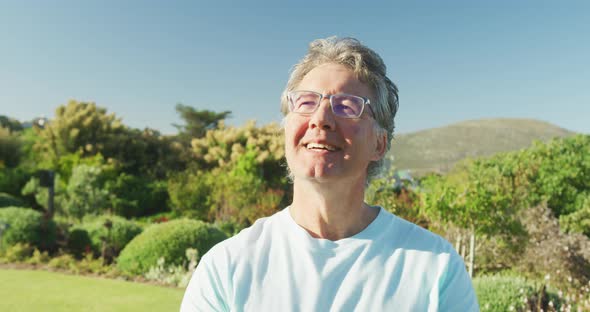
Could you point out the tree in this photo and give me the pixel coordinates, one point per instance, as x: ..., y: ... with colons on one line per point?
x: 480, y: 198
x: 79, y: 127
x: 85, y: 192
x: 225, y: 146
x: 12, y: 124
x: 84, y: 129
x: 197, y: 122
x: 10, y: 148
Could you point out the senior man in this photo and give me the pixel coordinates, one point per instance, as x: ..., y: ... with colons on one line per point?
x: 329, y: 250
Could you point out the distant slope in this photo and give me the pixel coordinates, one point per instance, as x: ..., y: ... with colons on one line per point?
x: 438, y: 149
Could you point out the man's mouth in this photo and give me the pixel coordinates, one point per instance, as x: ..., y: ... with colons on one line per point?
x: 318, y: 146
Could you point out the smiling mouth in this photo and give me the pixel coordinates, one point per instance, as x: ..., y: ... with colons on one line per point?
x: 318, y: 146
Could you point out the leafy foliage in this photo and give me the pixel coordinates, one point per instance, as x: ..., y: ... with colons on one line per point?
x: 134, y: 196
x: 578, y: 221
x: 550, y: 252
x: 508, y: 293
x: 85, y: 194
x: 79, y: 127
x: 10, y: 123
x: 190, y: 193
x: 235, y: 193
x: 226, y: 145
x: 7, y: 200
x: 12, y: 180
x: 175, y: 275
x: 10, y: 148
x: 115, y: 231
x: 198, y: 122
x: 168, y: 240
x: 18, y: 252
x: 78, y: 242
x: 27, y: 226
x: 403, y: 202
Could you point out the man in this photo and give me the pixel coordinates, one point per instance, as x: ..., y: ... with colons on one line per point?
x: 330, y: 251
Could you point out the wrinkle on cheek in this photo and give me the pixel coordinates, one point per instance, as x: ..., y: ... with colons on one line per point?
x: 294, y: 131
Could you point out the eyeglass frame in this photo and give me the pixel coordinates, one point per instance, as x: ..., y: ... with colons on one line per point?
x: 366, y: 101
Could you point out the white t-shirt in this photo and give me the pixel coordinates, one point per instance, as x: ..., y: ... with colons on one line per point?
x: 275, y: 265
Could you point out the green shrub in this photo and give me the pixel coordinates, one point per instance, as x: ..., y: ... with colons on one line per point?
x: 122, y: 231
x: 27, y: 226
x: 64, y: 262
x: 135, y: 196
x: 85, y: 194
x: 190, y: 194
x: 168, y: 240
x: 512, y: 293
x: 39, y: 257
x: 7, y: 200
x: 12, y: 180
x: 18, y: 252
x: 174, y: 275
x: 79, y: 241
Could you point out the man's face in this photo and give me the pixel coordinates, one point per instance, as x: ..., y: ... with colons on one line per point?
x: 323, y: 147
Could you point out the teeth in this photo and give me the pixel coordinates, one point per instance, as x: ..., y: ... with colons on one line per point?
x: 320, y: 146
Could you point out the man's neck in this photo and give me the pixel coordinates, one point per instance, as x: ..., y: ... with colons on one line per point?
x: 331, y: 210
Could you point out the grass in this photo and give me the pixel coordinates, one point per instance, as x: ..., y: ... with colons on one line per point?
x: 24, y: 290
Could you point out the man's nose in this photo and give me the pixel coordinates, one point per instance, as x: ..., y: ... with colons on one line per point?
x: 323, y: 117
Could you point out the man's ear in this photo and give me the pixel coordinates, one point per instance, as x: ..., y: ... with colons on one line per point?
x: 380, y: 146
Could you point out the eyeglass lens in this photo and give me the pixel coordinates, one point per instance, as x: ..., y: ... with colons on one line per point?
x: 342, y: 104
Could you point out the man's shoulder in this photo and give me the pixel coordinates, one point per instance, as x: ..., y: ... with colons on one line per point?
x: 262, y: 230
x: 409, y: 235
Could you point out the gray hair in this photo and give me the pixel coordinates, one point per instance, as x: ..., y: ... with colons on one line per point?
x: 369, y: 68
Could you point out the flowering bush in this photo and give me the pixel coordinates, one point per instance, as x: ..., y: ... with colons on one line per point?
x: 175, y: 275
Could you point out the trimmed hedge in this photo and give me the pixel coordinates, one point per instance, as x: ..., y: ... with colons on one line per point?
x: 169, y: 240
x: 27, y: 226
x: 121, y: 233
x: 7, y: 200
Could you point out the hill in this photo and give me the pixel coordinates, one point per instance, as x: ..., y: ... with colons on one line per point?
x: 438, y: 149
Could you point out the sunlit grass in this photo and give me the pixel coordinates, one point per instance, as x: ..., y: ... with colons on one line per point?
x: 23, y: 290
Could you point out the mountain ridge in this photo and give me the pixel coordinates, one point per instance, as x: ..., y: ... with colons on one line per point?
x: 438, y: 149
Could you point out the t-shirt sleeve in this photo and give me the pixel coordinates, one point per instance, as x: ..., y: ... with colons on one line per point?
x: 205, y: 291
x: 456, y: 291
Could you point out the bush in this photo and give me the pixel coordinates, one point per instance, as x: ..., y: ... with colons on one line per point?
x: 12, y: 180
x: 175, y: 275
x: 135, y: 196
x: 565, y: 257
x: 7, y: 200
x: 168, y: 240
x: 27, y: 226
x: 190, y: 194
x: 511, y: 293
x: 79, y: 242
x: 38, y: 257
x: 18, y: 252
x: 63, y: 262
x: 85, y: 193
x: 121, y: 232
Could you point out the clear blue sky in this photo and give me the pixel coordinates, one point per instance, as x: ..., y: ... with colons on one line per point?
x: 452, y: 60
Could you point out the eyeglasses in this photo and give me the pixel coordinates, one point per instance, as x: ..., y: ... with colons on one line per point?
x: 343, y: 105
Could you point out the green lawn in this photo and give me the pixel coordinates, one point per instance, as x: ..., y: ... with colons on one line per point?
x: 23, y: 290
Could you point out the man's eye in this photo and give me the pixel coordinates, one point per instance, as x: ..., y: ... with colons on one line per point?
x: 305, y: 103
x: 344, y: 108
